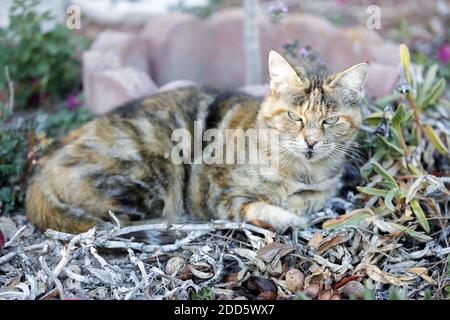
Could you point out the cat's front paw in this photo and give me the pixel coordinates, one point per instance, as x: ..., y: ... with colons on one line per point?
x: 291, y: 220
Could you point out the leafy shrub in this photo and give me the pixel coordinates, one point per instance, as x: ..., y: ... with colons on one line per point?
x: 43, y: 64
x: 22, y: 140
x: 408, y: 146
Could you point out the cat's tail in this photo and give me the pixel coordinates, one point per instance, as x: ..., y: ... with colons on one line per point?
x: 47, y: 213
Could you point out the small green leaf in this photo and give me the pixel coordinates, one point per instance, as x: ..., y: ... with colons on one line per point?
x: 420, y: 215
x: 385, y: 100
x: 420, y: 236
x: 400, y: 116
x: 430, y: 77
x: 204, y: 293
x: 388, y: 199
x: 383, y: 172
x: 348, y: 219
x: 435, y: 140
x: 373, y: 191
x: 414, y: 170
x: 390, y: 145
x: 433, y: 94
x: 427, y: 295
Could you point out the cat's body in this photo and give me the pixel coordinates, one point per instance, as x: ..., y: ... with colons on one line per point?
x: 122, y: 161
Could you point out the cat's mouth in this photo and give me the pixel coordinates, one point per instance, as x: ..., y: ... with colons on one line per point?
x: 309, y: 154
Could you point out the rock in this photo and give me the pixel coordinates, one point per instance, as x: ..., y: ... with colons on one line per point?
x: 8, y: 228
x: 95, y: 62
x: 174, y: 265
x: 381, y: 80
x: 112, y: 88
x: 312, y: 290
x: 294, y: 280
x: 130, y: 48
x: 223, y: 56
x: 172, y: 44
x: 112, y: 50
x: 211, y: 51
x: 258, y: 90
x: 353, y: 290
x: 177, y: 84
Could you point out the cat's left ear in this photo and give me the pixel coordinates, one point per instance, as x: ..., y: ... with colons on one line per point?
x: 282, y: 74
x: 353, y: 78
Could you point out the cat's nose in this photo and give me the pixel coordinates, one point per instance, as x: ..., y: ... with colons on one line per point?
x: 311, y: 144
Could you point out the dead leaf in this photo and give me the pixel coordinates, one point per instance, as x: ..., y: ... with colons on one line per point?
x: 230, y: 277
x: 274, y: 249
x: 330, y: 242
x: 348, y: 219
x: 379, y: 275
x: 315, y: 240
x: 256, y: 285
x: 422, y: 272
x: 267, y: 295
x: 196, y: 270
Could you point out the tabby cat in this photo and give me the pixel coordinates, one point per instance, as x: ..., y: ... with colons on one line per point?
x: 121, y: 161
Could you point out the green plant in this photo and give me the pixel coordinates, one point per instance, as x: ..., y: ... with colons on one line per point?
x: 204, y: 293
x: 43, y: 64
x: 22, y: 141
x: 397, y: 174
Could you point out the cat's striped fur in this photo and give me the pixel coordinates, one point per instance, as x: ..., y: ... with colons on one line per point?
x: 120, y: 161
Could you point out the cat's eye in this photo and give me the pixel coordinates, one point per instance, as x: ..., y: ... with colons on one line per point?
x: 293, y: 116
x: 331, y: 121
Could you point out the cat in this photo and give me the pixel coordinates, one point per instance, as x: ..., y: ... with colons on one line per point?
x: 122, y: 162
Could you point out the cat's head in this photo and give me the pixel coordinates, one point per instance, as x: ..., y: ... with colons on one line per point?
x: 316, y: 114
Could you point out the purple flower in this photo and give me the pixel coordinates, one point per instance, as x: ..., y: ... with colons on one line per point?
x: 303, y: 52
x: 278, y: 10
x: 72, y: 101
x: 444, y: 53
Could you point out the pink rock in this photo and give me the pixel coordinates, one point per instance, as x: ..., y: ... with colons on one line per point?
x: 177, y: 84
x: 387, y: 54
x: 381, y: 80
x: 223, y: 48
x: 211, y: 51
x: 259, y: 90
x: 112, y: 88
x: 130, y: 48
x: 171, y: 43
x: 93, y: 63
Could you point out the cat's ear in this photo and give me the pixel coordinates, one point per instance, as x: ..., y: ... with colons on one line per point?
x: 282, y: 74
x: 353, y: 78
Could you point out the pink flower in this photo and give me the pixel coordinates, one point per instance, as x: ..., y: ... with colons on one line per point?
x: 72, y: 101
x: 444, y: 53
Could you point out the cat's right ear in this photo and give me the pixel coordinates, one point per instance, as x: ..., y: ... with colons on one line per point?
x: 282, y: 74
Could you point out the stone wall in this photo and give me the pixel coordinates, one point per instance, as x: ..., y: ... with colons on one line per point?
x: 211, y: 51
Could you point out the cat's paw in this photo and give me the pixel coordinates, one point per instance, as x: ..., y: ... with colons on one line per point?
x: 290, y: 220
